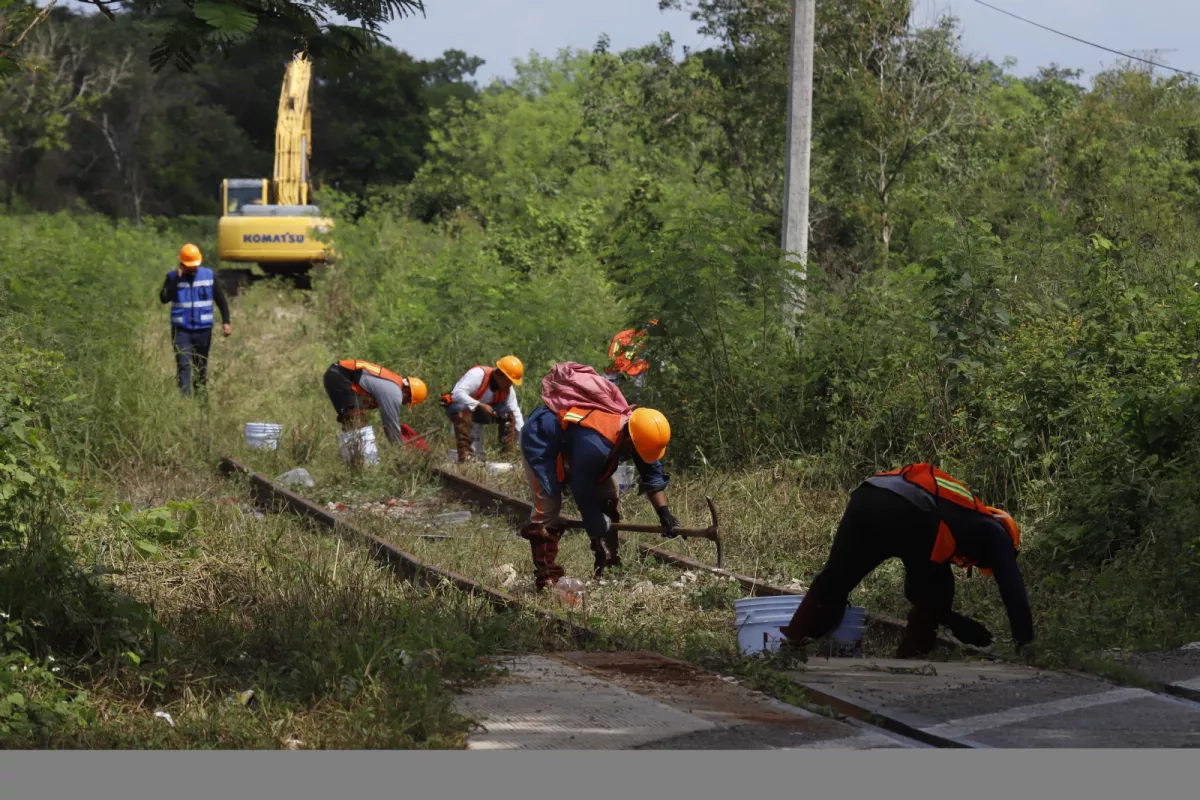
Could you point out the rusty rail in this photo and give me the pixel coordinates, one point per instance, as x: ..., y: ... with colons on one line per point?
x: 516, y: 507
x: 406, y: 565
x: 411, y: 568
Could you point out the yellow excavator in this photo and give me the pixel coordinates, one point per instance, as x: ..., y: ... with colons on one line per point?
x: 271, y: 222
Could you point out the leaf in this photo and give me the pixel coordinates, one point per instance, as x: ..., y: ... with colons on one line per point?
x: 7, y: 66
x: 145, y: 548
x: 227, y: 18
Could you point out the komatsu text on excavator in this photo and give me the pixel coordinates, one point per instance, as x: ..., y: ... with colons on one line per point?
x: 271, y: 222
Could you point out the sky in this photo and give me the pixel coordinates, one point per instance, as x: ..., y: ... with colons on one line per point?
x: 500, y: 31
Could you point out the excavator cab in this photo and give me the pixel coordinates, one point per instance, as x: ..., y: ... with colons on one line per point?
x: 237, y: 193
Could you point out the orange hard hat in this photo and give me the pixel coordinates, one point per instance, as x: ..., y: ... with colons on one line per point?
x: 417, y: 391
x: 512, y: 367
x: 189, y: 255
x: 650, y: 433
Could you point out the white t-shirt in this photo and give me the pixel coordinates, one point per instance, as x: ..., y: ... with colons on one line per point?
x: 468, y: 386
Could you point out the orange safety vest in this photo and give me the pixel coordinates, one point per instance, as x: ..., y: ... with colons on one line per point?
x: 605, y: 423
x: 501, y: 395
x: 354, y: 365
x: 624, y: 348
x: 940, y: 484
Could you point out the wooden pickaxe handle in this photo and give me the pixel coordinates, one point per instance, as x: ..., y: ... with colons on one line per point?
x: 711, y: 533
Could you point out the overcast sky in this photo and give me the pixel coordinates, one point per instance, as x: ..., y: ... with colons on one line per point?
x: 500, y: 31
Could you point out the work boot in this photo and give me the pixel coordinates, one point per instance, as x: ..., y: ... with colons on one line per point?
x: 612, y: 544
x: 817, y: 616
x: 543, y: 543
x: 462, y: 423
x: 920, y: 634
x: 508, y: 431
x: 599, y: 558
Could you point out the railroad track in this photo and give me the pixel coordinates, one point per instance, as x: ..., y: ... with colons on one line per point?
x: 843, y: 691
x: 406, y: 565
x: 273, y: 497
x: 485, y: 496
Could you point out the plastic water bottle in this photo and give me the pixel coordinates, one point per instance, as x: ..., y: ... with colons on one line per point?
x: 571, y: 592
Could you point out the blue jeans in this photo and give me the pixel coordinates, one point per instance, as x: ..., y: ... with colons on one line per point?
x: 191, y: 357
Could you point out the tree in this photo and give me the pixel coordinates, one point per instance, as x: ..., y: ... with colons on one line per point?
x: 38, y: 105
x: 190, y: 29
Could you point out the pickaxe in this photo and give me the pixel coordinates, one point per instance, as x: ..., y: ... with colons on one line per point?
x: 712, y: 532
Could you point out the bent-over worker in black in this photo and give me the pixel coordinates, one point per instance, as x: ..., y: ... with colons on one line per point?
x: 928, y: 520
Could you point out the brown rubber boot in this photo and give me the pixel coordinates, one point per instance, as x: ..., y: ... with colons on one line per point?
x: 461, y: 422
x: 508, y: 431
x: 920, y: 634
x: 543, y: 543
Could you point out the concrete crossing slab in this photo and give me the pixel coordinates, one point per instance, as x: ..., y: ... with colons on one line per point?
x: 1179, y: 668
x: 631, y: 701
x: 985, y: 704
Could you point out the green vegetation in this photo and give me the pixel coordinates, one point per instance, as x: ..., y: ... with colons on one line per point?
x: 1004, y: 281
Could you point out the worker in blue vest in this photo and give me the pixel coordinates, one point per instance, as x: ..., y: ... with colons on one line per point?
x: 191, y: 290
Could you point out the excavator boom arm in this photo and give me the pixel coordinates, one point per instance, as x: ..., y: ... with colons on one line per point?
x: 293, y: 135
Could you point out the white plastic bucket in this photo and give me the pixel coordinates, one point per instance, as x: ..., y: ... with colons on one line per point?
x: 263, y: 435
x: 361, y: 440
x: 626, y: 476
x: 743, y: 608
x: 758, y: 620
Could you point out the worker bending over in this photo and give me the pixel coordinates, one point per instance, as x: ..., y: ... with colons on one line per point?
x: 928, y: 520
x: 191, y: 289
x: 577, y: 439
x: 354, y: 387
x: 483, y: 396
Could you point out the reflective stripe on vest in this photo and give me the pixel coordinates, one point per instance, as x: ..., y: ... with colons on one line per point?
x: 940, y: 484
x: 355, y: 365
x: 193, y: 306
x: 500, y: 396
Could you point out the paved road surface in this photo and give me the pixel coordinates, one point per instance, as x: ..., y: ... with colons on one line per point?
x: 980, y: 704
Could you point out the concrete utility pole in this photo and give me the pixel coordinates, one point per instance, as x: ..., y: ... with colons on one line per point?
x: 799, y: 147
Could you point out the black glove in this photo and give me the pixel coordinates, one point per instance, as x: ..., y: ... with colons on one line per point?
x: 612, y: 510
x: 968, y: 631
x: 669, y: 523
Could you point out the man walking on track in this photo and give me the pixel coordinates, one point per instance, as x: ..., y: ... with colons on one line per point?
x: 191, y: 291
x: 928, y: 520
x: 576, y: 440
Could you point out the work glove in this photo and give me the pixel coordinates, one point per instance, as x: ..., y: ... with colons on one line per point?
x: 669, y: 523
x: 612, y: 510
x: 968, y: 631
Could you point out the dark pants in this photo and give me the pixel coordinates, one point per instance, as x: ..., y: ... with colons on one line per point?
x: 191, y: 358
x: 544, y: 531
x: 879, y: 525
x: 349, y: 404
